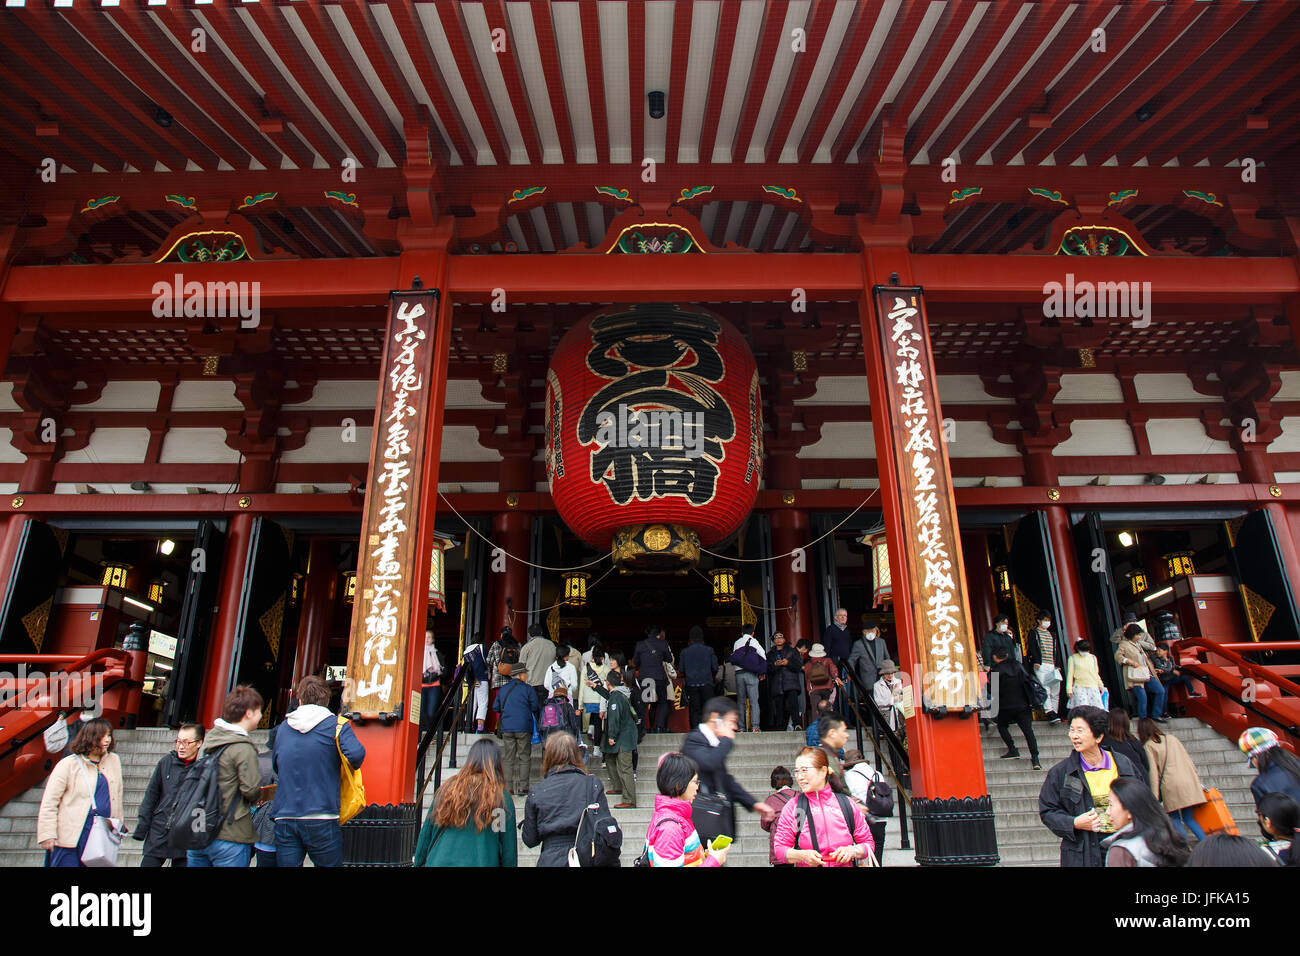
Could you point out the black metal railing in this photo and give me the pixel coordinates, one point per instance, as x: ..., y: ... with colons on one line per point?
x: 434, y: 733
x: 892, y: 756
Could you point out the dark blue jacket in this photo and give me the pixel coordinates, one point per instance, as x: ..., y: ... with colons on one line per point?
x: 836, y: 642
x: 699, y: 664
x: 517, y: 704
x: 1275, y: 780
x: 306, y: 762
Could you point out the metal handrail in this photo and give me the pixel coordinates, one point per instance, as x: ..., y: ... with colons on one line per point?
x: 450, y: 700
x: 897, y: 763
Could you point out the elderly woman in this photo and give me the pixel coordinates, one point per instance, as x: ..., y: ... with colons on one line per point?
x: 1139, y: 677
x: 821, y: 827
x: 85, y: 784
x: 1074, y: 798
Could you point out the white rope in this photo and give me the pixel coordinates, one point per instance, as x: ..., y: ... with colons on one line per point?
x: 554, y: 606
x: 495, y: 547
x: 756, y: 607
x: 778, y: 557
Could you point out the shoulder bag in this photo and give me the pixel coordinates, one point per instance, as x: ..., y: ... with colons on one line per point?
x: 352, y: 789
x: 105, y: 837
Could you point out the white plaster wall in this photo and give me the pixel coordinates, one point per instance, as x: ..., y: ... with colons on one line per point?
x: 839, y: 390
x: 8, y: 453
x: 460, y: 443
x: 1183, y: 436
x: 1086, y: 388
x: 341, y: 394
x: 120, y: 445
x: 7, y: 403
x: 1166, y: 387
x: 966, y: 389
x: 1290, y: 390
x: 124, y: 397
x: 203, y: 395
x: 1289, y: 440
x: 1090, y: 436
x: 975, y: 440
x: 325, y: 444
x: 842, y: 440
x: 188, y: 445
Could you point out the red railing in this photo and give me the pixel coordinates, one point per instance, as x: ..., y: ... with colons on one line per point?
x: 1242, y: 693
x: 108, y: 680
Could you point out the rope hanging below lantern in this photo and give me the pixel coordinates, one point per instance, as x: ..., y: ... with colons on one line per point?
x: 488, y: 541
x: 778, y: 557
x: 561, y: 603
x: 745, y: 600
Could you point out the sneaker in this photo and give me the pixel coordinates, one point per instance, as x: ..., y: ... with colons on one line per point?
x: 625, y: 806
x: 1009, y: 755
x: 1037, y: 766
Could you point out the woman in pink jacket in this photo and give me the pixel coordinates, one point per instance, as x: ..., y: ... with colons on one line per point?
x: 814, y: 829
x: 671, y: 839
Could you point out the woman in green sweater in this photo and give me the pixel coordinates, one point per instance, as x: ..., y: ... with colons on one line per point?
x: 472, y: 822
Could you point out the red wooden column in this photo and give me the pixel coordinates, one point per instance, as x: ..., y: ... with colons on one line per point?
x: 953, y: 812
x: 1256, y: 469
x: 318, y: 591
x: 1041, y: 470
x: 511, y: 532
x: 979, y: 581
x: 225, y: 635
x: 789, y: 531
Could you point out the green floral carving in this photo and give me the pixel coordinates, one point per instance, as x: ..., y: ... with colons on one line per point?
x: 348, y: 199
x: 1053, y: 194
x: 635, y: 242
x: 101, y: 201
x: 620, y: 194
x: 693, y: 191
x: 251, y: 201
x: 1121, y: 196
x: 785, y: 192
x: 186, y: 201
x: 521, y: 194
x: 201, y: 249
x: 1210, y: 198
x: 1097, y: 241
x: 959, y: 194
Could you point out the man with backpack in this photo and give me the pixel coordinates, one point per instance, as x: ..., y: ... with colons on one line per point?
x: 558, y: 714
x: 699, y: 664
x: 870, y: 788
x: 307, y: 757
x: 518, y: 709
x: 648, y: 660
x: 751, y: 667
x: 1014, y: 704
x: 160, y: 796
x: 476, y: 660
x: 230, y: 756
x: 820, y: 677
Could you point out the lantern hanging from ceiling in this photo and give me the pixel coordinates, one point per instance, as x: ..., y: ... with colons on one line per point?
x: 575, y: 588
x: 654, y: 432
x: 1002, y: 580
x: 724, y: 585
x: 1137, y: 581
x: 437, y: 572
x: 882, y: 583
x: 1180, y: 564
x: 115, y: 575
x: 156, y: 588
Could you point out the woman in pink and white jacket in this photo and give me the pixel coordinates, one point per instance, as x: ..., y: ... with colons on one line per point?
x: 815, y: 829
x: 671, y: 838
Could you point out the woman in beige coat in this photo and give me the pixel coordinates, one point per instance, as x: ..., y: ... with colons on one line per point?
x: 1146, y: 692
x: 90, y: 773
x: 1174, y: 779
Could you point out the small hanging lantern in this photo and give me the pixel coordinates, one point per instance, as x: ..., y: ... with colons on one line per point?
x: 575, y: 588
x: 1180, y: 564
x: 115, y: 575
x: 1002, y: 578
x: 724, y: 585
x: 1137, y: 582
x: 882, y: 581
x: 156, y: 588
x: 437, y: 575
x: 349, y: 586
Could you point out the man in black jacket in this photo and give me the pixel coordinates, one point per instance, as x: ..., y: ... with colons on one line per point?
x: 1013, y: 705
x: 1074, y: 798
x: 708, y: 745
x: 785, y: 668
x: 699, y: 664
x: 648, y: 660
x: 151, y: 823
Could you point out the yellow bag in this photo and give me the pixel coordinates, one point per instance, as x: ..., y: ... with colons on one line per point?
x: 352, y: 789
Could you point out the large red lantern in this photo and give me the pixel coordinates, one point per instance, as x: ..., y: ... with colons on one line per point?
x: 654, y: 432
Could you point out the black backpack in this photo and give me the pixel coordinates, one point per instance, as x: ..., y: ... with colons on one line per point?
x: 1034, y: 690
x: 196, y: 817
x: 598, y: 841
x: 880, y: 797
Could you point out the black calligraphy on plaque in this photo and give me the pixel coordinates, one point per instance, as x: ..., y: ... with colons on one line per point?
x: 658, y: 361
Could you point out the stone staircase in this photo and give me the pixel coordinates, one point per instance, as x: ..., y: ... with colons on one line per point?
x: 139, y: 750
x: 751, y: 763
x: 1014, y: 786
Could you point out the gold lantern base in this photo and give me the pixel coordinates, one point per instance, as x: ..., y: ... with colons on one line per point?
x: 655, y: 549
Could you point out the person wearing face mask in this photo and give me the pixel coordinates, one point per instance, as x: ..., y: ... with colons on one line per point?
x: 151, y: 822
x: 1001, y: 641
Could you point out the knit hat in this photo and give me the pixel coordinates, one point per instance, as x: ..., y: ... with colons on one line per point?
x: 817, y: 651
x: 888, y: 668
x: 1255, y: 740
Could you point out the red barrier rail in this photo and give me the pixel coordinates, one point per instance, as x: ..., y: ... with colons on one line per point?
x: 1231, y: 705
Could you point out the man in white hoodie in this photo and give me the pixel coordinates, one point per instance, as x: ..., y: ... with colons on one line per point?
x: 751, y: 667
x: 306, y: 761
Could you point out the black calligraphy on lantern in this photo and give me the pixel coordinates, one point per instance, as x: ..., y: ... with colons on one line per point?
x: 661, y: 365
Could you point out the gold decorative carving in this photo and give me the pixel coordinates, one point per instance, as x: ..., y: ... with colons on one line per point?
x: 1259, y: 611
x: 656, y: 549
x: 18, y: 501
x: 36, y: 620
x: 246, y: 501
x: 1053, y: 494
x: 657, y: 537
x: 272, y: 622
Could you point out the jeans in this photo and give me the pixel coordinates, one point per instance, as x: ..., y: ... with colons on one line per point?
x: 661, y: 707
x: 150, y: 860
x: 430, y: 698
x: 294, y: 839
x: 517, y: 755
x: 1023, y: 719
x: 747, y: 691
x: 1139, y: 694
x: 1183, y: 821
x: 221, y: 853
